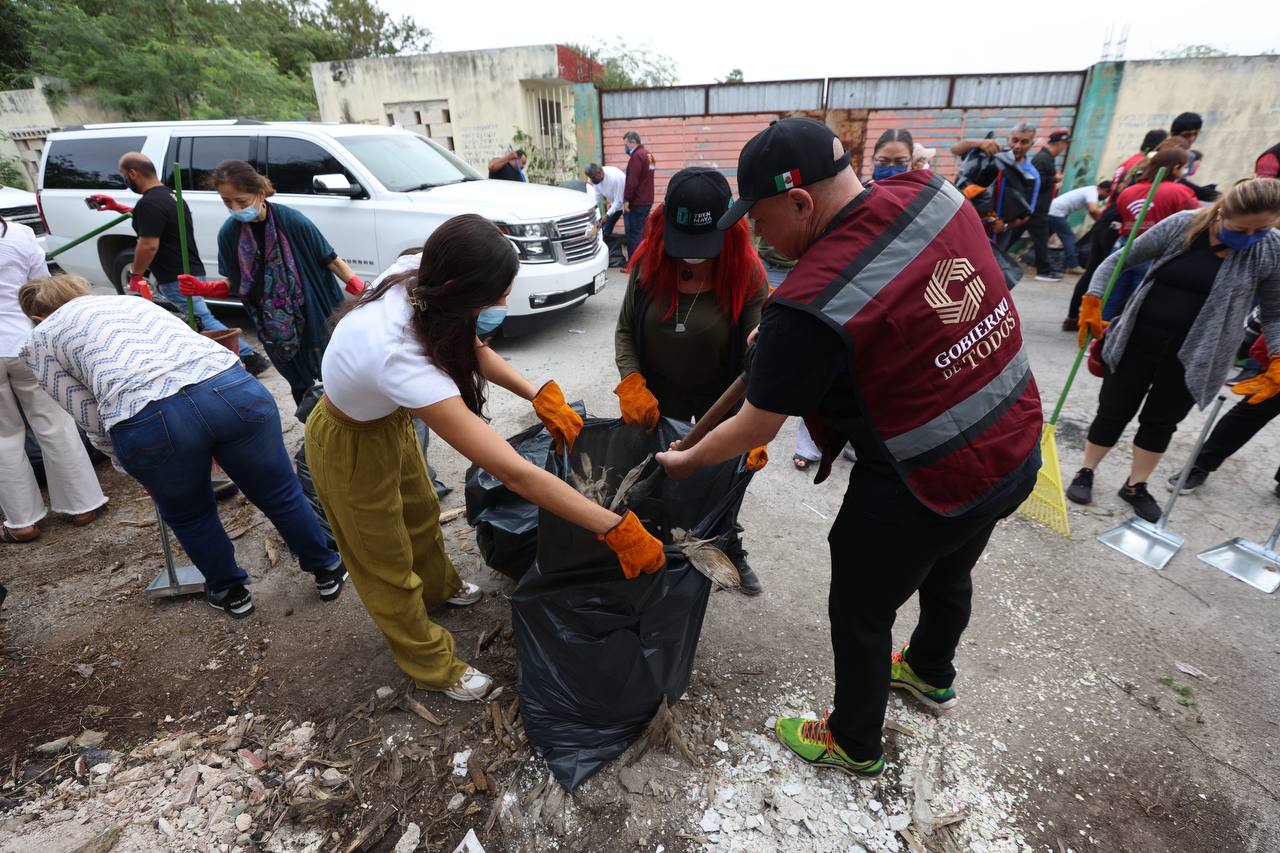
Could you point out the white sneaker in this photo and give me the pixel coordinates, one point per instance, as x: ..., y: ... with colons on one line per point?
x: 474, y: 686
x: 468, y: 595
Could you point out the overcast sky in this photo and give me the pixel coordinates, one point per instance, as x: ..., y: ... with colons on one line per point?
x: 780, y: 41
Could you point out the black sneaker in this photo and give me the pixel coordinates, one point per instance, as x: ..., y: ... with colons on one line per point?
x: 749, y: 581
x: 1194, y: 481
x: 1070, y: 324
x: 235, y: 602
x: 255, y: 364
x: 1137, y: 496
x: 1081, y: 489
x: 329, y: 582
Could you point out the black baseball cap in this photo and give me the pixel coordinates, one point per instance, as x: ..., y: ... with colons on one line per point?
x: 696, y: 200
x: 1060, y: 135
x: 789, y: 153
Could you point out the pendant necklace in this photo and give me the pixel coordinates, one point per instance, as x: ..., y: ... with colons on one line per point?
x: 680, y: 327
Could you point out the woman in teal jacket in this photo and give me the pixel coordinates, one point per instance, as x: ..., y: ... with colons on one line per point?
x: 279, y: 265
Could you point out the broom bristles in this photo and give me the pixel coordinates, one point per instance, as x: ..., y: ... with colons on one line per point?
x: 1047, y: 502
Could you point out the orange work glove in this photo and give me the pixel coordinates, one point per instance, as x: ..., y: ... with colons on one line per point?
x: 1091, y: 322
x: 757, y: 459
x: 562, y: 422
x: 637, y: 549
x: 637, y: 404
x: 1264, y: 386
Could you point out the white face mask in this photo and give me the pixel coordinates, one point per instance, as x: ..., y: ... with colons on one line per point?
x: 693, y: 262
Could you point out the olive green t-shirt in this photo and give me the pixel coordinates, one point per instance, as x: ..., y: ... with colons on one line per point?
x: 686, y: 371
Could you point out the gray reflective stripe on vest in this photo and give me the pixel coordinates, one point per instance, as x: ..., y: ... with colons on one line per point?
x: 962, y: 415
x: 893, y: 259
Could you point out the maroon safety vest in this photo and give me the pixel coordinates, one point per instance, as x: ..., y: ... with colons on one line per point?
x: 942, y: 377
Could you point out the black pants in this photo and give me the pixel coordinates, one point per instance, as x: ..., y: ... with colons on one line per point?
x: 1234, y: 431
x: 1101, y: 238
x: 1038, y: 228
x: 875, y: 568
x: 1151, y: 377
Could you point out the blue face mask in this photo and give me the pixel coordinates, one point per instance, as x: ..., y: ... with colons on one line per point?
x: 1238, y: 240
x: 879, y: 173
x: 489, y: 319
x: 628, y: 149
x: 246, y: 214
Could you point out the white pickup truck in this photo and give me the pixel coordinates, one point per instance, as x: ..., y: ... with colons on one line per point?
x: 372, y: 191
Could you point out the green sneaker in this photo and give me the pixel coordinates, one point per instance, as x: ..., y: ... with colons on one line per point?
x: 812, y: 741
x: 938, y: 699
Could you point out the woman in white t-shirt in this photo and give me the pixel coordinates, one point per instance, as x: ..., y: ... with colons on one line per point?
x: 410, y: 347
x: 73, y: 486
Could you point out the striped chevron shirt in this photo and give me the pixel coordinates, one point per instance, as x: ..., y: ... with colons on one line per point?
x: 104, y: 358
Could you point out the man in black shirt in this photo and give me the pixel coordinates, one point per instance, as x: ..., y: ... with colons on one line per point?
x: 1046, y: 163
x: 155, y: 221
x: 856, y: 248
x: 509, y: 167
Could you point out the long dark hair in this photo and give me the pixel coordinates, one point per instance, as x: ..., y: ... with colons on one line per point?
x: 466, y: 264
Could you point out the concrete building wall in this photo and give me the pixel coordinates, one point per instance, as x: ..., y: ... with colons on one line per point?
x: 488, y: 94
x: 1236, y: 95
x: 27, y: 116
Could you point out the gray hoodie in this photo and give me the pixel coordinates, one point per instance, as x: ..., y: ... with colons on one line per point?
x: 1210, y: 347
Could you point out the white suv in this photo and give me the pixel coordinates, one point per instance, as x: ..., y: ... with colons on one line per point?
x: 372, y: 191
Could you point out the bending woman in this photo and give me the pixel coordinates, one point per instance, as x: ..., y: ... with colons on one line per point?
x: 279, y: 265
x: 677, y: 352
x: 1168, y: 350
x: 410, y: 347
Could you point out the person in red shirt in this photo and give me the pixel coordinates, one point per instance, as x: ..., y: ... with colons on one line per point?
x: 637, y: 194
x: 1149, y: 144
x: 1170, y: 198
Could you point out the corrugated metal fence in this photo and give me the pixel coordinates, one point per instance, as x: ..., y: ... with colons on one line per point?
x: 708, y: 125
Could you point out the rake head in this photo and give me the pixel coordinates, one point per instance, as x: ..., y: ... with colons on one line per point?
x: 1047, y: 503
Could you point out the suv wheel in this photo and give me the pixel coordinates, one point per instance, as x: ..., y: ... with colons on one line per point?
x: 120, y: 268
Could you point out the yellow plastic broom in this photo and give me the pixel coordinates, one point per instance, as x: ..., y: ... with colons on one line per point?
x: 1047, y: 503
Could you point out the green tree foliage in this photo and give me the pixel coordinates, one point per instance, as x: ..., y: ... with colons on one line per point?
x: 184, y: 59
x: 628, y: 66
x: 734, y: 76
x: 15, y: 50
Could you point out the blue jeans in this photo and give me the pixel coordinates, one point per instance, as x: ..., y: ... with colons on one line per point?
x: 169, y: 290
x: 634, y: 222
x: 169, y: 446
x: 1062, y: 227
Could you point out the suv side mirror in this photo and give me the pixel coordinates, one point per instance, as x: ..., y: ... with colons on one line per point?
x: 336, y: 185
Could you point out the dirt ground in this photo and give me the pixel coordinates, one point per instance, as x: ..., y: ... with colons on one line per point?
x: 1078, y: 728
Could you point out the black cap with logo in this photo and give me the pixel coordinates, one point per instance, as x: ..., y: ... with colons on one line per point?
x: 696, y: 199
x: 789, y: 153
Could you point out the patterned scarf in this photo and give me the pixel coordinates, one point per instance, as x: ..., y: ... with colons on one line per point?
x: 271, y: 287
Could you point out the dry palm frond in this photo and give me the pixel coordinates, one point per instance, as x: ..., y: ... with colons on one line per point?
x: 707, y: 559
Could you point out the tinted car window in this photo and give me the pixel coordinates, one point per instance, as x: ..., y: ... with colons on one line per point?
x: 292, y: 163
x: 200, y: 154
x: 88, y: 164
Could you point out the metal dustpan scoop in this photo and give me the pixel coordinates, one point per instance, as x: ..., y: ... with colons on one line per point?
x: 1257, y: 565
x: 1150, y: 544
x: 173, y: 581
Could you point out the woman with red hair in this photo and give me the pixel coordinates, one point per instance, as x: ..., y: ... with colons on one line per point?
x: 694, y: 295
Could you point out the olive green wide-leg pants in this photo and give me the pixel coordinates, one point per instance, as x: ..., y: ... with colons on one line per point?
x: 373, y: 485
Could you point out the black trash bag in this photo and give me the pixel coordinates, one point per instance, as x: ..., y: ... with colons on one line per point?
x: 309, y: 489
x: 507, y: 524
x: 1011, y: 268
x: 598, y: 652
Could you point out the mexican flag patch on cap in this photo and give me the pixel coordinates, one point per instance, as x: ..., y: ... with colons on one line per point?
x: 787, y: 180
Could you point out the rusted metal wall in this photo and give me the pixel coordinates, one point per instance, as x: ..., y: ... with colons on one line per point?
x: 708, y: 125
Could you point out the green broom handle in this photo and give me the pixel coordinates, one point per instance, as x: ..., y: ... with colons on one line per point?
x: 1115, y: 274
x: 182, y: 239
x: 48, y: 256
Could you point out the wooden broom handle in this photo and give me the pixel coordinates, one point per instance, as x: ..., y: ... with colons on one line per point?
x: 730, y: 398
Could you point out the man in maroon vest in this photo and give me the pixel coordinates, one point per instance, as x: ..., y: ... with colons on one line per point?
x: 895, y: 331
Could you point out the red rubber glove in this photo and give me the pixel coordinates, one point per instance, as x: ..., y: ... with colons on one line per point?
x: 189, y: 285
x: 106, y: 202
x: 638, y: 551
x: 139, y: 285
x: 355, y: 286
